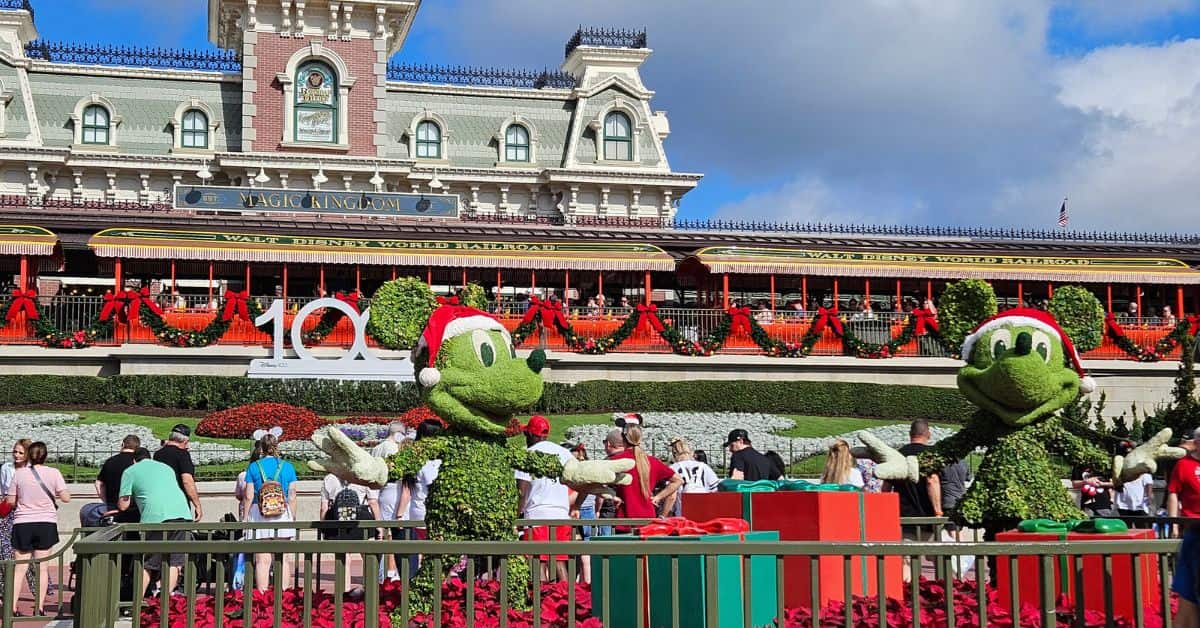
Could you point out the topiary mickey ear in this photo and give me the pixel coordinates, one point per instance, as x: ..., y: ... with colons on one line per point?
x: 1079, y: 314
x: 399, y: 311
x: 962, y: 307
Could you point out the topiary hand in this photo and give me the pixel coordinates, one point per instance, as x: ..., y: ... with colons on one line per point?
x: 1144, y: 459
x: 578, y: 474
x: 890, y: 464
x: 347, y: 461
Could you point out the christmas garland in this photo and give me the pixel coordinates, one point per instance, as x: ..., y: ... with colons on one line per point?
x: 1185, y: 327
x: 24, y: 302
x: 329, y: 320
x: 550, y: 313
x: 119, y: 307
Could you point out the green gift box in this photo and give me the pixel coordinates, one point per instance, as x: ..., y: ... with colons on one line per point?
x: 691, y: 586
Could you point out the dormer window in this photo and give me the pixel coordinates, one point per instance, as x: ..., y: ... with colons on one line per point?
x: 195, y: 129
x: 618, y: 137
x: 316, y: 104
x: 96, y: 125
x: 516, y: 143
x: 429, y: 140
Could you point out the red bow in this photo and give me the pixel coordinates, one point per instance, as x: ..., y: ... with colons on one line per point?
x: 1193, y: 324
x: 538, y: 307
x: 349, y: 299
x: 1112, y: 327
x: 924, y: 320
x: 741, y: 319
x: 114, y: 305
x: 235, y: 305
x: 828, y: 317
x: 23, y: 301
x: 648, y: 316
x: 680, y: 526
x: 440, y: 300
x: 136, y: 299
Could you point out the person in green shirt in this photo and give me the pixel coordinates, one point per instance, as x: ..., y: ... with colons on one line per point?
x: 152, y: 486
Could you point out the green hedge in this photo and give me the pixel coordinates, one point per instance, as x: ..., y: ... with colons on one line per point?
x: 332, y: 397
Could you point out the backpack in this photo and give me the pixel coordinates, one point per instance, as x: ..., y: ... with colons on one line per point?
x: 271, y: 500
x: 346, y: 505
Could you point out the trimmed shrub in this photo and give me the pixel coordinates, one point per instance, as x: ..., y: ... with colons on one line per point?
x: 963, y: 305
x: 243, y: 421
x: 1080, y: 314
x: 399, y: 310
x: 474, y: 295
x: 338, y: 397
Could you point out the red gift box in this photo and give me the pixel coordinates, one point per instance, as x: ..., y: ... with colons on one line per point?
x: 836, y: 516
x: 1065, y: 579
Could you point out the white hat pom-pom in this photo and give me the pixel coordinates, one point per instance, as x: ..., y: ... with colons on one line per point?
x: 1087, y: 384
x: 429, y: 377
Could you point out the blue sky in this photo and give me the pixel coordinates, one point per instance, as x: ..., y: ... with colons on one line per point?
x: 986, y: 112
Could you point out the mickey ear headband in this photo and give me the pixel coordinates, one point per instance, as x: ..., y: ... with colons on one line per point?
x: 275, y: 431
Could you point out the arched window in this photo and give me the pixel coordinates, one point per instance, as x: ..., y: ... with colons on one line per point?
x: 316, y: 104
x: 195, y: 129
x: 618, y: 137
x: 516, y: 143
x: 429, y: 140
x: 95, y: 125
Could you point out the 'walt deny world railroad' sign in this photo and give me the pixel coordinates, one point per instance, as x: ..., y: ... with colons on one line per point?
x: 231, y: 199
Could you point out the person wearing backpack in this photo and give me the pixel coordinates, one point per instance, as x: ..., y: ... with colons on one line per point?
x: 342, y: 501
x: 271, y: 490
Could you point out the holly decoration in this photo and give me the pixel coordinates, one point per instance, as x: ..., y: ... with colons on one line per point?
x: 1185, y: 327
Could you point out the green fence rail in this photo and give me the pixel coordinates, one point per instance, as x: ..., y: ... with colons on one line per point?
x: 102, y: 555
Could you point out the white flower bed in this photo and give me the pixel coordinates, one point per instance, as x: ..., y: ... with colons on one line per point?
x: 90, y: 445
x: 707, y: 431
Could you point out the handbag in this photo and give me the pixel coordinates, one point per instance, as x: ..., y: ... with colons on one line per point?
x: 49, y: 493
x: 5, y: 508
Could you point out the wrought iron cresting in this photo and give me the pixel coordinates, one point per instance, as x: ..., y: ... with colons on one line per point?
x: 482, y: 77
x: 134, y: 56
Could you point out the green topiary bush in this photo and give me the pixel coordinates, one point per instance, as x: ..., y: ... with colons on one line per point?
x: 399, y: 310
x: 1080, y: 314
x: 475, y: 296
x: 183, y: 392
x: 961, y: 308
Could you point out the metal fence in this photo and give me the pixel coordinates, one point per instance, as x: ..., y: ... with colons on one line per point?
x: 103, y: 555
x: 195, y: 311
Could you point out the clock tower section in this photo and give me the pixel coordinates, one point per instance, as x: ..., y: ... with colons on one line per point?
x: 314, y: 72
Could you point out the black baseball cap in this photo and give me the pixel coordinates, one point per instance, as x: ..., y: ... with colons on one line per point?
x: 738, y: 434
x: 182, y: 429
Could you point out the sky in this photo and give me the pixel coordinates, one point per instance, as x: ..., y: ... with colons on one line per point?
x: 935, y: 112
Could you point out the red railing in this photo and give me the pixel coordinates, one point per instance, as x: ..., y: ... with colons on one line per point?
x: 69, y: 313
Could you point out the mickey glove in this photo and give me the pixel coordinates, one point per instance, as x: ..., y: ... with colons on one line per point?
x: 891, y: 464
x: 1144, y: 459
x: 585, y: 473
x: 349, y: 462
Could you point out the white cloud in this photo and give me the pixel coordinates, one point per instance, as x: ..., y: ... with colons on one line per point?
x: 892, y: 110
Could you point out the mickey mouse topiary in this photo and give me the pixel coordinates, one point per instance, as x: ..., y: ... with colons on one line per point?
x: 471, y: 377
x: 399, y: 310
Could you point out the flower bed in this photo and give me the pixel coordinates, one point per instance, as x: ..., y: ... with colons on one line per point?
x: 91, y: 444
x: 707, y: 430
x: 242, y: 421
x: 554, y: 610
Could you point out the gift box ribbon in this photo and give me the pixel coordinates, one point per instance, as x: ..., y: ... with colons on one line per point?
x: 682, y: 526
x: 771, y: 486
x: 1063, y: 528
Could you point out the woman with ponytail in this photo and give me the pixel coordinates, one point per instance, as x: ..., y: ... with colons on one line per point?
x: 637, y: 500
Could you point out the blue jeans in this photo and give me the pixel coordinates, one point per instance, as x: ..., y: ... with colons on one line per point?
x: 587, y: 512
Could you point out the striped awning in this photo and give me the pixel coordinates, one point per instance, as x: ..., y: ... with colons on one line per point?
x: 26, y: 240
x: 879, y: 264
x: 136, y: 243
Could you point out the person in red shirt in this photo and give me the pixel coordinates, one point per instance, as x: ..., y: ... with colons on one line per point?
x: 636, y: 499
x: 1183, y: 488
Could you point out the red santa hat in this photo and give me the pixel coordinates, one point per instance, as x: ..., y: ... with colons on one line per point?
x: 1038, y: 319
x: 447, y: 321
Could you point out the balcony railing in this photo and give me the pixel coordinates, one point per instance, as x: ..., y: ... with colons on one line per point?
x: 195, y: 311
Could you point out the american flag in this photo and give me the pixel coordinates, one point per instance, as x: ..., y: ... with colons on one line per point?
x: 1063, y: 219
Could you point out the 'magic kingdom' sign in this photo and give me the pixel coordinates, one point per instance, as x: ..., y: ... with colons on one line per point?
x: 229, y: 199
